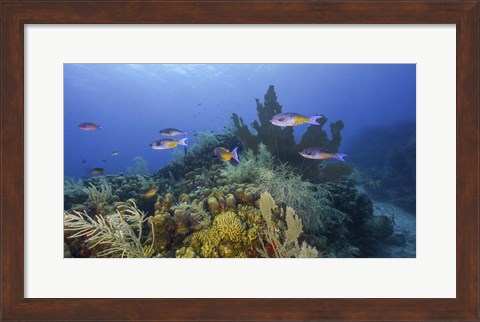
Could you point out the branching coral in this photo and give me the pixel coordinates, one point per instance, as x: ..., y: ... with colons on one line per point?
x: 286, y: 245
x: 289, y: 188
x: 97, y: 197
x: 229, y: 227
x: 230, y: 235
x: 117, y: 235
x: 253, y: 163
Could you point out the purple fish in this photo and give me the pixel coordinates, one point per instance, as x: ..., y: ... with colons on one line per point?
x: 172, y: 132
x: 293, y: 119
x: 89, y: 126
x: 321, y: 154
x: 226, y: 155
x: 167, y: 144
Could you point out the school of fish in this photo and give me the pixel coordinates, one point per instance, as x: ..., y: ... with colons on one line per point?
x: 222, y: 153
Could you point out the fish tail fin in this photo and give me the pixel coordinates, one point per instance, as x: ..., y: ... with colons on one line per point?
x: 100, y: 127
x: 339, y: 156
x: 313, y: 119
x: 235, y: 155
x: 182, y: 141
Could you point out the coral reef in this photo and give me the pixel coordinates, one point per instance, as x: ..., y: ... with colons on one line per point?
x: 274, y: 203
x: 248, y: 232
x: 206, y: 222
x: 198, y: 168
x: 100, y: 194
x: 117, y: 235
x: 283, y: 183
x: 361, y: 230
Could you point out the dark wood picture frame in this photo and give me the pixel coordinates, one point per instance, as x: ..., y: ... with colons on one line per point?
x: 14, y: 16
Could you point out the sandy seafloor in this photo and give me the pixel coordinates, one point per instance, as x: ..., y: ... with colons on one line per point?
x: 405, y: 223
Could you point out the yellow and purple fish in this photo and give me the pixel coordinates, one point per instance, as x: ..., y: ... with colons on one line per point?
x: 167, y: 144
x: 172, y: 132
x: 320, y: 154
x: 226, y: 155
x: 89, y: 126
x: 294, y: 119
x: 150, y: 192
x: 98, y: 171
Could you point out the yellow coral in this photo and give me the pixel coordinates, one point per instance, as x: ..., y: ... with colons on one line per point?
x: 252, y: 234
x: 199, y: 235
x: 184, y: 198
x: 209, y: 250
x: 229, y: 226
x: 213, y: 205
x: 275, y: 244
x: 228, y: 236
x: 185, y: 252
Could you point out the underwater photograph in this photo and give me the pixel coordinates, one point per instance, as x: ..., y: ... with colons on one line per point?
x: 239, y: 161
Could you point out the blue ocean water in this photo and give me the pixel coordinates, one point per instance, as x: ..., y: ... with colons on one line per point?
x: 133, y: 102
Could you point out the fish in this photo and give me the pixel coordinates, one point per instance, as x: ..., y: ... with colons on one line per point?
x: 167, y: 144
x: 150, y: 192
x: 226, y: 155
x: 294, y: 119
x: 98, y: 171
x: 84, y: 161
x: 172, y: 132
x: 115, y: 153
x: 89, y: 126
x: 104, y: 160
x: 321, y: 154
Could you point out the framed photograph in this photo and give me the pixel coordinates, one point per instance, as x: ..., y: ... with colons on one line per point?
x: 240, y: 161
